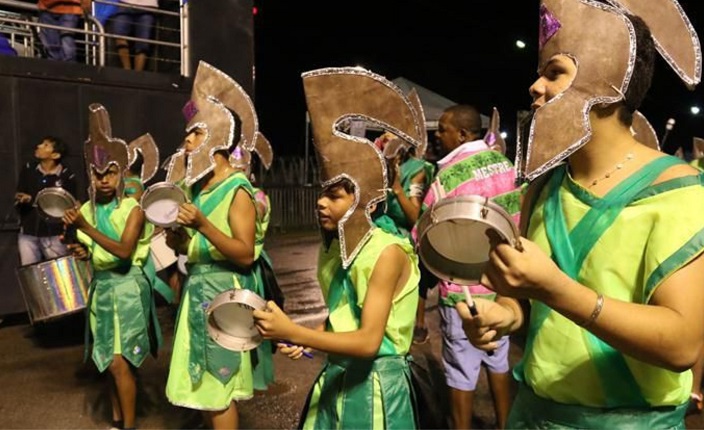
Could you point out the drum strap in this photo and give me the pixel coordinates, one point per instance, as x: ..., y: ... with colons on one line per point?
x: 570, y: 249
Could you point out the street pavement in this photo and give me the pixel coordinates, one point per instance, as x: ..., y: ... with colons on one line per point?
x: 44, y: 383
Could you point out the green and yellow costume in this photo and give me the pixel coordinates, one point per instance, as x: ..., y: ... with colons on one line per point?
x: 203, y: 375
x: 365, y: 393
x: 408, y: 170
x: 624, y: 246
x: 121, y: 302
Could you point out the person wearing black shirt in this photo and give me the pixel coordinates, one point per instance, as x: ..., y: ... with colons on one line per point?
x: 39, y: 237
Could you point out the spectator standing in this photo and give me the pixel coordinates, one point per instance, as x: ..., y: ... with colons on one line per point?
x: 61, y: 44
x: 135, y: 22
x: 38, y: 238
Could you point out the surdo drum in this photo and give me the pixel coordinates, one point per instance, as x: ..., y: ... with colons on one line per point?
x: 230, y: 322
x: 452, y: 237
x: 160, y: 203
x: 54, y: 288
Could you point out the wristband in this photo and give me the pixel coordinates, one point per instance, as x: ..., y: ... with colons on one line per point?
x: 595, y: 313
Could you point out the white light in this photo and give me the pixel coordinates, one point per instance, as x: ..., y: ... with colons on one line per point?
x: 504, y: 135
x: 695, y: 110
x: 521, y: 44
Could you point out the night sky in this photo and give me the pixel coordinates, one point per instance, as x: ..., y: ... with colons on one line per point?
x: 462, y: 50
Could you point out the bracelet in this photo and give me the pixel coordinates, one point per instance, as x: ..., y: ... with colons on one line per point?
x: 595, y: 313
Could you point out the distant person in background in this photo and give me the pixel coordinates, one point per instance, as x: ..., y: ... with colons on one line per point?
x: 5, y: 47
x: 59, y: 44
x: 411, y: 177
x: 128, y: 21
x: 39, y: 239
x: 470, y: 167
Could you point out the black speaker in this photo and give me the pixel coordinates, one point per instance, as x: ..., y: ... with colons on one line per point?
x: 221, y: 33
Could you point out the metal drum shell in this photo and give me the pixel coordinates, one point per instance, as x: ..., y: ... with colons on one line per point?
x: 162, y: 192
x: 55, y: 288
x: 452, y: 240
x: 229, y: 319
x: 52, y: 202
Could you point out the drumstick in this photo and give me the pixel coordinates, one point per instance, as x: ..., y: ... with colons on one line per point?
x: 472, y: 307
x: 305, y: 353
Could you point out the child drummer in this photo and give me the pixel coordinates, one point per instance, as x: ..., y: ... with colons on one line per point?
x: 371, y: 306
x: 219, y: 239
x: 114, y: 236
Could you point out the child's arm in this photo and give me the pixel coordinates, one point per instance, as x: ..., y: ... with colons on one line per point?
x: 123, y: 248
x: 239, y: 248
x: 392, y: 267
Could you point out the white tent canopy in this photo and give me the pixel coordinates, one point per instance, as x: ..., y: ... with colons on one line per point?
x: 433, y: 103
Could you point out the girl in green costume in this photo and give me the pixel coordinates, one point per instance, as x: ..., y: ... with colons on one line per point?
x: 612, y: 264
x: 411, y: 178
x: 221, y: 223
x: 366, y: 382
x: 114, y: 236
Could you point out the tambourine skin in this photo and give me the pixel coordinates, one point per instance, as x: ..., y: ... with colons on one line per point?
x: 452, y: 239
x: 230, y: 322
x: 160, y: 203
x: 52, y: 202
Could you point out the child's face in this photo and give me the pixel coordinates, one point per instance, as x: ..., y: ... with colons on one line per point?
x: 556, y: 77
x: 194, y: 139
x: 106, y: 183
x: 333, y: 204
x: 45, y: 151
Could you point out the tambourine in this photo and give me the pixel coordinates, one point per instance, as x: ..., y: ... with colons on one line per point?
x: 160, y: 203
x: 230, y: 322
x: 452, y: 239
x: 54, y: 201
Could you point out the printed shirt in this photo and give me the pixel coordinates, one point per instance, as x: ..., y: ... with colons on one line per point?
x: 473, y: 169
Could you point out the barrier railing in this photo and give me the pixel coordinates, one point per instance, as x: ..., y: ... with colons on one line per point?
x: 23, y: 30
x: 293, y: 207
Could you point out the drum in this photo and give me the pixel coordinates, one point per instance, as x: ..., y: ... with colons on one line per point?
x: 54, y: 201
x: 55, y: 288
x: 162, y: 255
x: 160, y: 203
x: 452, y: 240
x: 230, y: 321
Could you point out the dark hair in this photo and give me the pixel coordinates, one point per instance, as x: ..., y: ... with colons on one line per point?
x: 58, y: 145
x: 136, y: 167
x: 465, y: 117
x: 343, y: 183
x: 642, y: 71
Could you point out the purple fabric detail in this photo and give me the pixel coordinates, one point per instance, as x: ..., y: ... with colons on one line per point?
x: 237, y: 153
x: 100, y: 157
x: 549, y: 25
x: 189, y: 110
x: 490, y: 138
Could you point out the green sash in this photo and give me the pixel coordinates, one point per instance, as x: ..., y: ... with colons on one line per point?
x: 569, y: 249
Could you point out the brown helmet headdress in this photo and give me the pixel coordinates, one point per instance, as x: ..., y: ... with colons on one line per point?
x: 600, y: 38
x: 102, y: 150
x: 222, y: 108
x: 145, y: 147
x: 337, y: 95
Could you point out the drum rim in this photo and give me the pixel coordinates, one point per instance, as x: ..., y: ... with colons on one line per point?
x: 221, y: 337
x: 426, y: 223
x: 57, y: 192
x: 145, y: 204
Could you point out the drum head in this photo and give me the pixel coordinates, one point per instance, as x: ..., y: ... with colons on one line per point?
x: 54, y: 201
x: 453, y: 242
x: 230, y: 321
x: 160, y: 203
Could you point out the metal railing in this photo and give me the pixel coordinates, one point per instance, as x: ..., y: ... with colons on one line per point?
x: 21, y: 27
x: 293, y: 207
